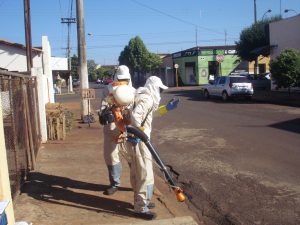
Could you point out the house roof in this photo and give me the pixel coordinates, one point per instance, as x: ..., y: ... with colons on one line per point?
x: 5, y: 42
x: 225, y: 47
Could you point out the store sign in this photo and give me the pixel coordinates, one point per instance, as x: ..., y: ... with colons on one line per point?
x: 230, y: 52
x: 219, y: 52
x: 190, y: 53
x: 176, y: 55
x: 207, y: 52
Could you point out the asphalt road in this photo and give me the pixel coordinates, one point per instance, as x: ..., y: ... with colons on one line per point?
x: 238, y: 161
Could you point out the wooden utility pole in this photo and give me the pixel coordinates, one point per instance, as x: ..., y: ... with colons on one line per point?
x: 82, y: 67
x: 69, y: 21
x: 255, y: 21
x: 27, y: 23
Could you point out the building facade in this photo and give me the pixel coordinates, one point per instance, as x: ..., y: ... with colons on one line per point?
x: 284, y: 34
x: 197, y: 65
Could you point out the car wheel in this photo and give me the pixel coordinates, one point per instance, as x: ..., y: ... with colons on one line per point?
x: 206, y: 94
x: 224, y: 96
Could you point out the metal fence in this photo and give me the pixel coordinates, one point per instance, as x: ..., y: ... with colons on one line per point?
x: 21, y: 125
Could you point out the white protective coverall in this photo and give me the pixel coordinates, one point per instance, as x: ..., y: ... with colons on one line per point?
x: 147, y: 100
x: 110, y: 132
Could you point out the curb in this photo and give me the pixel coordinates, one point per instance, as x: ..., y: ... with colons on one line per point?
x: 185, y: 220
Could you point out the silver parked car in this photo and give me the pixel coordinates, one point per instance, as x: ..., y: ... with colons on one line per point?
x: 229, y: 86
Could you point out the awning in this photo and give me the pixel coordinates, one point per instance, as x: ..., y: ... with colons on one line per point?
x: 264, y: 50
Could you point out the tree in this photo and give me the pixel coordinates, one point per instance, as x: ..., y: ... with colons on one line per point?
x: 136, y: 56
x: 285, y: 69
x: 104, y: 72
x: 92, y: 66
x: 74, y: 67
x: 254, y: 37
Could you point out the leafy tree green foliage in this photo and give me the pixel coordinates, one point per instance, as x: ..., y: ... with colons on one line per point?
x: 253, y: 37
x: 93, y: 71
x: 92, y: 66
x: 105, y: 72
x: 136, y: 56
x: 285, y: 69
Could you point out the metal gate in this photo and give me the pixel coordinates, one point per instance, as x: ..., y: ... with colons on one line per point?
x: 19, y: 99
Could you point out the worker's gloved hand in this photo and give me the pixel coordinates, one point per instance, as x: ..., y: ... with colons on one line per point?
x: 133, y: 140
x: 172, y: 104
x: 142, y: 128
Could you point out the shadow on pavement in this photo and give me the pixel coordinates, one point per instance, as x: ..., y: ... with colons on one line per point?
x: 197, y: 95
x: 193, y: 95
x: 290, y: 125
x: 62, y: 191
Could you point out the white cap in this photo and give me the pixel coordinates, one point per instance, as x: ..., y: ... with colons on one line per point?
x: 155, y: 81
x: 122, y: 73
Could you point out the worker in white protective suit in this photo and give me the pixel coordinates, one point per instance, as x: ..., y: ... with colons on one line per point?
x: 146, y: 102
x: 110, y: 131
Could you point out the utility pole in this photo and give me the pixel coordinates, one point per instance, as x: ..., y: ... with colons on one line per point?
x: 255, y: 21
x: 225, y: 33
x: 196, y: 36
x: 69, y: 21
x: 27, y: 23
x: 280, y: 9
x: 255, y: 14
x: 82, y: 67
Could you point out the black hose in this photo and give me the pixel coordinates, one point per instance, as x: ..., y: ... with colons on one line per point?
x: 140, y: 134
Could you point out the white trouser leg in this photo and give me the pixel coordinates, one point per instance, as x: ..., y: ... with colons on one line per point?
x: 142, y: 178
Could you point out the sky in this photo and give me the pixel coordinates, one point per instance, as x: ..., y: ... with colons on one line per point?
x: 165, y: 26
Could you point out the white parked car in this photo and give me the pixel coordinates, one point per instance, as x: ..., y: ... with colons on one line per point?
x: 229, y: 86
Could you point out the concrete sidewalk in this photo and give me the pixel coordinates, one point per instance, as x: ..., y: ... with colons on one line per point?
x: 67, y: 186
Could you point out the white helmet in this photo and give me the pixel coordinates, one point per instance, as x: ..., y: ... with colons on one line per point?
x: 122, y: 73
x: 124, y: 95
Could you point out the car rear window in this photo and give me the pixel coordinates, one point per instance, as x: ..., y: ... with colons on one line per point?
x: 239, y: 80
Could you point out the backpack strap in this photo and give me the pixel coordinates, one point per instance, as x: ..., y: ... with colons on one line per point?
x: 143, y: 122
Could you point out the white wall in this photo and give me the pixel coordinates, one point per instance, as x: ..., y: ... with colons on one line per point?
x: 59, y: 63
x: 47, y: 69
x: 285, y: 34
x: 13, y: 58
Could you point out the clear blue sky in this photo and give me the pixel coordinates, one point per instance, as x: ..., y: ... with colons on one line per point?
x: 165, y: 26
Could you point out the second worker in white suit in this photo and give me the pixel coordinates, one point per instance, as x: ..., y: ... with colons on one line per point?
x: 141, y: 171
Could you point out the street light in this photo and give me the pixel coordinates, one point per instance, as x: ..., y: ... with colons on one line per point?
x: 290, y: 10
x: 266, y: 13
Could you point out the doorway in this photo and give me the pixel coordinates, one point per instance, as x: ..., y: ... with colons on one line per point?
x: 190, y: 73
x: 213, y: 68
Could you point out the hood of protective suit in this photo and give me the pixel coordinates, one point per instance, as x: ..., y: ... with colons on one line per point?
x: 122, y: 73
x: 151, y: 87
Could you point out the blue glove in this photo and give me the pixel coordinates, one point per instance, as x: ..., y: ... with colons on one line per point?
x: 133, y: 140
x: 172, y: 104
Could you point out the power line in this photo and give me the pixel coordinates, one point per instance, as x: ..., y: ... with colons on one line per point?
x: 176, y: 18
x: 158, y: 43
x: 131, y: 34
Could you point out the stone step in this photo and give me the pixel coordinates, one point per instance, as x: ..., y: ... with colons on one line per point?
x: 184, y: 220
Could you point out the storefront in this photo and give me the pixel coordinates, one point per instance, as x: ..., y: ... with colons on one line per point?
x: 197, y: 65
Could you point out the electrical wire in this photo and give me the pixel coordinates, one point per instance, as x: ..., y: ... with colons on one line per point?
x: 175, y: 18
